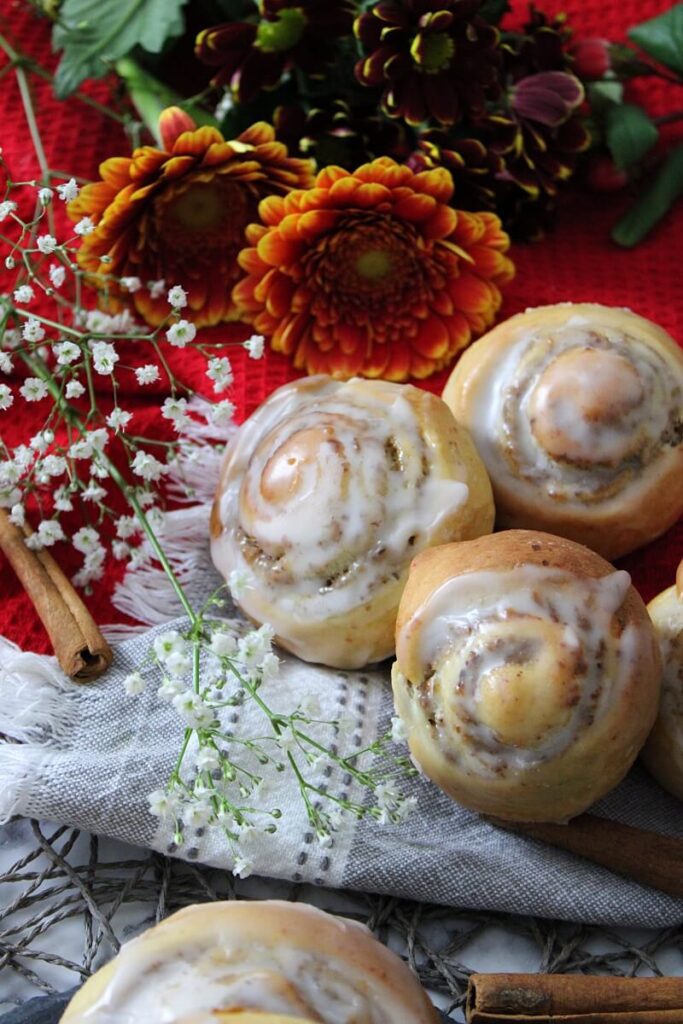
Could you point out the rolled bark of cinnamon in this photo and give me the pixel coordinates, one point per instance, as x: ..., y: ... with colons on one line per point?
x: 646, y: 857
x: 79, y: 646
x: 573, y: 999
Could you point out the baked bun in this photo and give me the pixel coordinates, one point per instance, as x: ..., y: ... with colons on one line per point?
x: 577, y: 411
x: 527, y: 674
x: 325, y: 495
x: 663, y: 752
x: 243, y: 957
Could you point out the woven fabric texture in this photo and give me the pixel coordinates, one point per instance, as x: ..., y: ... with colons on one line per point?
x: 575, y: 262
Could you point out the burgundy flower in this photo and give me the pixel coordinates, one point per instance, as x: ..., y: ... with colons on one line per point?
x: 433, y: 58
x: 474, y: 167
x: 253, y: 55
x: 336, y: 133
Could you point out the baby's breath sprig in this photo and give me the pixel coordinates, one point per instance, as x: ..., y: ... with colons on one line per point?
x: 221, y: 777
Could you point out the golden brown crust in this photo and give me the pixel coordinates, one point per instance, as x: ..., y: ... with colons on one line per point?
x: 613, y: 514
x: 549, y: 788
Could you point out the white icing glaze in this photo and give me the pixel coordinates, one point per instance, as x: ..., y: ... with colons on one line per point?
x: 603, y: 455
x: 335, y: 487
x: 544, y: 621
x: 222, y: 971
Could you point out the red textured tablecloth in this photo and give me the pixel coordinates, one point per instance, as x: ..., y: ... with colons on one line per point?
x: 576, y: 262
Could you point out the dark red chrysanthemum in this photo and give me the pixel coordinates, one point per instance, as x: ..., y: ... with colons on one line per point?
x: 336, y: 133
x: 474, y: 167
x: 280, y: 34
x: 433, y: 59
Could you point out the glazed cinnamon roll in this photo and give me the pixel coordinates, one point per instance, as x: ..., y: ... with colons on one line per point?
x: 577, y: 411
x: 663, y: 752
x: 527, y: 674
x: 235, y: 961
x: 326, y: 493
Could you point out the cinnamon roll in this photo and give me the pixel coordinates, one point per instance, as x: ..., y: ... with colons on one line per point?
x: 577, y: 412
x: 663, y: 752
x: 235, y: 961
x: 325, y: 495
x: 527, y: 674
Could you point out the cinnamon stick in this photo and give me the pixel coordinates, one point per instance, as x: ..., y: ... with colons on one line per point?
x: 79, y: 646
x: 573, y: 999
x: 645, y: 857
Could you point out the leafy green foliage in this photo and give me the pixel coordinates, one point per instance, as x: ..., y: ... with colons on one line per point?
x: 629, y: 134
x: 654, y: 203
x: 662, y: 37
x: 493, y: 10
x: 93, y: 34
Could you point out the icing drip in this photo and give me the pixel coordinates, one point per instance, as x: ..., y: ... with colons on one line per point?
x: 518, y: 663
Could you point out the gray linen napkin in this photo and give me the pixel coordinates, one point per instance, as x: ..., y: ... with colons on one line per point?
x: 89, y: 756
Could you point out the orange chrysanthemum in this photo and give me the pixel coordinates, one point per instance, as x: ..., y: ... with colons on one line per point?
x: 178, y: 214
x: 371, y: 273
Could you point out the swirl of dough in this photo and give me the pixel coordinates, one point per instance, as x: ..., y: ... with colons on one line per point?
x: 527, y: 674
x: 577, y: 411
x: 326, y: 493
x: 283, y: 960
x: 663, y: 752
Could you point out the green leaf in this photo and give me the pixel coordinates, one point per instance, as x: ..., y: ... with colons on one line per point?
x: 629, y: 134
x: 493, y: 10
x: 654, y: 203
x: 602, y: 95
x: 150, y: 97
x: 93, y: 34
x: 662, y: 37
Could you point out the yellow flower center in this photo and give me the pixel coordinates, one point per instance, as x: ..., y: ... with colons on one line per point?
x: 432, y: 53
x: 198, y: 207
x: 283, y: 33
x: 374, y: 264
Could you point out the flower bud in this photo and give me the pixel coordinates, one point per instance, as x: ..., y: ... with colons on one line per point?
x: 173, y: 122
x: 591, y: 58
x: 549, y: 97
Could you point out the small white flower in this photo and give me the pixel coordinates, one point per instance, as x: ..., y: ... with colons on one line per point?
x: 221, y: 414
x: 270, y: 666
x: 131, y: 284
x: 147, y: 374
x: 177, y: 297
x: 174, y: 409
x: 193, y: 710
x: 287, y: 740
x: 169, y: 689
x: 118, y: 419
x: 220, y: 372
x: 85, y: 226
x: 324, y: 838
x: 7, y: 207
x: 105, y: 357
x: 86, y: 539
x: 207, y: 759
x: 54, y: 465
x: 242, y: 867
x: 65, y: 352
x: 168, y: 643
x: 24, y: 293
x: 49, y: 532
x: 223, y: 645
x: 6, y: 397
x: 63, y: 502
x: 147, y: 466
x: 310, y: 705
x: 5, y: 363
x: 197, y: 814
x: 32, y: 330
x: 404, y: 808
x: 93, y: 492
x: 46, y: 244
x: 33, y: 389
x: 126, y: 526
x: 93, y: 568
x: 163, y: 804
x: 156, y: 288
x: 177, y: 664
x: 57, y: 275
x: 41, y: 441
x: 74, y: 389
x: 398, y: 730
x: 81, y: 449
x: 386, y: 794
x: 17, y: 515
x: 45, y: 195
x: 120, y: 550
x: 68, y: 191
x: 11, y: 338
x: 254, y: 346
x: 133, y: 683
x: 181, y: 334
x: 98, y: 439
x: 9, y: 496
x: 239, y: 580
